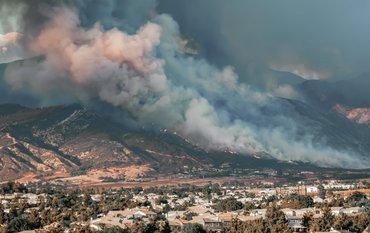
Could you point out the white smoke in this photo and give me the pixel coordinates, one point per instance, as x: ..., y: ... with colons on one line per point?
x: 148, y: 75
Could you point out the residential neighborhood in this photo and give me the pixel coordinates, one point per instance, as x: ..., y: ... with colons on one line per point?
x: 211, y: 207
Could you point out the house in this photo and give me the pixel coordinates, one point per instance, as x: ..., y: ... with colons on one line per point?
x: 123, y: 214
x: 289, y: 212
x: 212, y: 224
x: 258, y: 212
x: 96, y: 197
x: 31, y: 198
x: 200, y: 210
x: 295, y: 224
x: 179, y: 225
x: 318, y: 200
x: 301, y: 212
x: 122, y: 219
x: 145, y: 214
x: 202, y: 218
x: 244, y: 218
x: 226, y: 219
x: 106, y: 221
x: 353, y: 210
x: 4, y: 202
x: 175, y: 214
x: 312, y: 189
x: 34, y: 231
x: 267, y: 192
x: 333, y: 231
x: 131, y: 214
x: 336, y: 210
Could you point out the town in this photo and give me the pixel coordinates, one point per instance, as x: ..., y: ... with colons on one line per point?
x: 233, y: 206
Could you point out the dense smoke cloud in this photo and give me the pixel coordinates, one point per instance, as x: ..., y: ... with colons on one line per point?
x: 313, y: 39
x: 139, y: 63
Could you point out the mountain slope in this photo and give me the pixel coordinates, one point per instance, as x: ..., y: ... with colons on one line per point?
x: 65, y: 141
x: 70, y: 140
x: 326, y: 94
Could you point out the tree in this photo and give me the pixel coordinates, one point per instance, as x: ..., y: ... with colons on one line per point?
x: 275, y: 220
x: 2, y: 215
x: 8, y: 187
x: 163, y: 226
x: 82, y: 229
x: 137, y: 190
x: 161, y: 200
x: 34, y: 219
x: 322, y: 191
x: 360, y: 222
x: 114, y: 230
x: 325, y: 222
x: 357, y: 199
x: 151, y: 227
x: 229, y: 204
x: 138, y: 226
x: 197, y: 228
x: 216, y: 189
x: 18, y: 224
x: 206, y: 190
x: 296, y: 201
x: 307, y: 219
x: 166, y: 208
x: 55, y: 229
x: 86, y: 199
x: 13, y: 213
x: 342, y: 221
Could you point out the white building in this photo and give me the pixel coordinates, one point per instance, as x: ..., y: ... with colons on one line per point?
x: 312, y: 189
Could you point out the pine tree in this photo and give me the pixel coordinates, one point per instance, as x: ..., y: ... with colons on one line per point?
x: 2, y: 215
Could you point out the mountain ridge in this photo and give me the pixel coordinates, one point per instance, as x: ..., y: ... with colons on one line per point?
x: 71, y: 140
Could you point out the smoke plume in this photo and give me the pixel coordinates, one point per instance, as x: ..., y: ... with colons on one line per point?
x: 140, y: 64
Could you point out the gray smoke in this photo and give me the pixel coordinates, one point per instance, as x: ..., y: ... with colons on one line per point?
x: 141, y: 64
x: 313, y: 39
